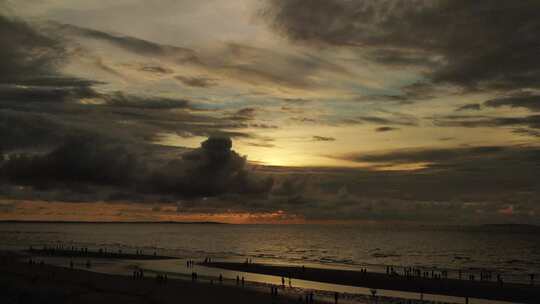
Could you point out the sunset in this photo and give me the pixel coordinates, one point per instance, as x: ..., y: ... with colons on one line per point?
x: 310, y: 119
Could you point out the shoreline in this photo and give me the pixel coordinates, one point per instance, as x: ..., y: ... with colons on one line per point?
x: 43, y: 283
x: 449, y: 287
x: 58, y: 281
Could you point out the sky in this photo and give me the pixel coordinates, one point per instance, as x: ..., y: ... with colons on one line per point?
x: 269, y: 111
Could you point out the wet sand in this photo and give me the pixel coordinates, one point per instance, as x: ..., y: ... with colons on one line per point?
x: 450, y: 287
x: 21, y: 282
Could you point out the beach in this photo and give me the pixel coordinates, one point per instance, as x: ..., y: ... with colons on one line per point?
x: 31, y: 277
x: 490, y: 290
x: 113, y: 252
x: 22, y: 282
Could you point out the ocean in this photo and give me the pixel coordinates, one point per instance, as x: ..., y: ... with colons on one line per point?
x: 513, y: 252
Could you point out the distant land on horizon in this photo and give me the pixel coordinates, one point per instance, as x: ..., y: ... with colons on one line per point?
x: 499, y: 226
x: 111, y: 222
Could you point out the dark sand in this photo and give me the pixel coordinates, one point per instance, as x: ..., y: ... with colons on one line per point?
x: 451, y: 287
x: 21, y: 282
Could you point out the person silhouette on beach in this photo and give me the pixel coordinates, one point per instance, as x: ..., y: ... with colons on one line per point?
x: 336, y: 296
x: 220, y: 278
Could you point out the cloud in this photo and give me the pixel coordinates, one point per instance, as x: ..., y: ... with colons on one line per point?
x: 473, y: 45
x: 119, y: 99
x: 79, y: 160
x: 82, y: 162
x: 41, y: 106
x: 200, y: 82
x: 131, y: 44
x: 43, y: 93
x: 244, y: 114
x: 524, y: 100
x: 394, y: 119
x: 527, y: 132
x: 30, y: 63
x: 211, y: 170
x: 385, y: 129
x: 469, y: 107
x: 446, y: 155
x: 531, y: 121
x: 230, y: 60
x: 27, y: 54
x: 20, y: 130
x: 155, y: 69
x: 323, y: 138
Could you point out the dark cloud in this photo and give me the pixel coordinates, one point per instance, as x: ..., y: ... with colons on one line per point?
x: 428, y: 155
x: 474, y: 45
x: 531, y: 121
x: 131, y: 44
x: 211, y: 170
x: 214, y: 154
x: 469, y: 107
x: 459, y: 181
x: 40, y: 106
x: 200, y: 82
x: 395, y: 120
x: 82, y: 162
x: 120, y: 99
x: 30, y: 63
x: 252, y: 65
x: 26, y: 53
x: 155, y: 69
x: 527, y: 132
x: 20, y: 130
x: 385, y: 129
x: 260, y: 66
x: 323, y: 138
x: 45, y: 93
x: 244, y: 114
x: 261, y: 145
x: 528, y: 101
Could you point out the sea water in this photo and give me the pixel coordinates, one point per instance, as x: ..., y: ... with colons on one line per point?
x: 515, y: 253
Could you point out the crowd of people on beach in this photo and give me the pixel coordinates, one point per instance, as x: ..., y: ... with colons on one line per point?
x: 73, y: 251
x: 138, y: 274
x: 415, y: 272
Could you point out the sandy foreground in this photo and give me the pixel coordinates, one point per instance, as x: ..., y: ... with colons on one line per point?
x: 21, y: 282
x: 490, y: 290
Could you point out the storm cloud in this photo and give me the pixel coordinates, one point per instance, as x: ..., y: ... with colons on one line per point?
x: 398, y: 109
x: 473, y: 45
x: 527, y: 101
x: 213, y: 169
